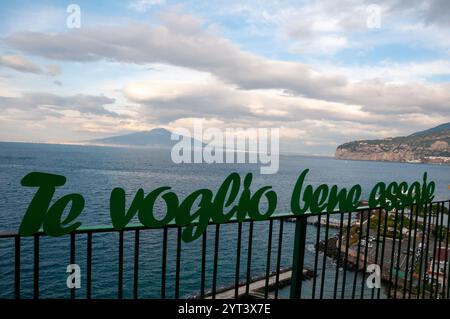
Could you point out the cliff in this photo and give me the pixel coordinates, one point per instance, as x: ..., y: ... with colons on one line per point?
x: 430, y: 146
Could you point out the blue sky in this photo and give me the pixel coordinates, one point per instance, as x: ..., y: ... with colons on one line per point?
x: 323, y: 73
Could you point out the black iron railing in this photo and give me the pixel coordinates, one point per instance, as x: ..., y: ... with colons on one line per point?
x: 309, y: 256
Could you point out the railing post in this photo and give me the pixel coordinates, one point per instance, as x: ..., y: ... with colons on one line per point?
x: 17, y: 268
x: 298, y: 257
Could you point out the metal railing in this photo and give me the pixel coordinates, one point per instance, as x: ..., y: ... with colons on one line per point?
x: 323, y: 256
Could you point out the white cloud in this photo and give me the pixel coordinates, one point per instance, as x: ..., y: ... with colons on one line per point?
x: 171, y: 101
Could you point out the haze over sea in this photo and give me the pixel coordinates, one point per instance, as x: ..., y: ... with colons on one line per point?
x: 94, y: 171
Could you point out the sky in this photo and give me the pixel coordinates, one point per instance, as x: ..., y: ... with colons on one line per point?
x: 323, y: 72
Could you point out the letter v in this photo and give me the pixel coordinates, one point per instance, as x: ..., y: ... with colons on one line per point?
x: 117, y: 207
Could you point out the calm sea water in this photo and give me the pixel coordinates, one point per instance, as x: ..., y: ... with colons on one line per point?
x: 95, y: 171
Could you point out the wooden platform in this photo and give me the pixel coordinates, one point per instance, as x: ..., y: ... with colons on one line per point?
x: 256, y: 288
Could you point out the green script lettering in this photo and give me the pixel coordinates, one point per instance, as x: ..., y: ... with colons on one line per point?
x: 40, y: 213
x: 200, y: 207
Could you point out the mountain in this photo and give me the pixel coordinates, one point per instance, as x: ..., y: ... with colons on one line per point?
x: 442, y: 127
x: 158, y: 137
x: 429, y: 146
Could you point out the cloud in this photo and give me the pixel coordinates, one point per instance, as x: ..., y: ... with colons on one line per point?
x: 202, y: 50
x: 306, y: 124
x: 323, y: 122
x: 320, y: 28
x: 194, y: 48
x: 44, y: 104
x: 432, y: 12
x: 22, y: 64
x: 69, y: 127
x: 311, y: 28
x: 45, y: 117
x: 19, y: 63
x: 182, y: 40
x: 328, y: 103
x: 166, y: 101
x: 438, y: 13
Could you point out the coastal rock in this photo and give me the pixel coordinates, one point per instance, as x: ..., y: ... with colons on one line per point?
x: 430, y: 146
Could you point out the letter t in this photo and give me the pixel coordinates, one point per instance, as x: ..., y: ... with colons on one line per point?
x: 34, y: 216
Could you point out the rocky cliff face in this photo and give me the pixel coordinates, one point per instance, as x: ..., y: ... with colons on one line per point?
x: 431, y: 146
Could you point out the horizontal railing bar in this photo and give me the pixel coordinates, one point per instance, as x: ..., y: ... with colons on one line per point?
x: 172, y: 224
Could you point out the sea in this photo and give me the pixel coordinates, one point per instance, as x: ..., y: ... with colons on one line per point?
x: 93, y: 172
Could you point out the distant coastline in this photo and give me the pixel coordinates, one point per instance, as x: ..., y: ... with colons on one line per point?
x: 428, y: 147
